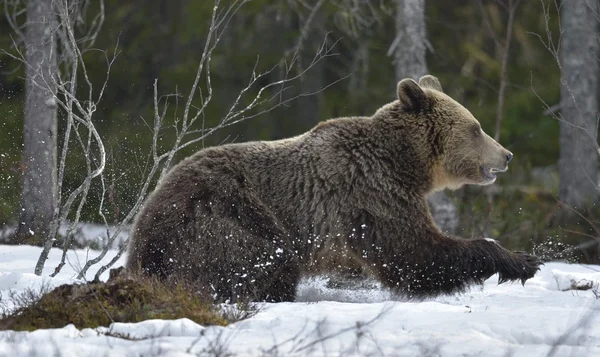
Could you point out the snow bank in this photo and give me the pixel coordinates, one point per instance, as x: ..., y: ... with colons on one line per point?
x: 555, y: 308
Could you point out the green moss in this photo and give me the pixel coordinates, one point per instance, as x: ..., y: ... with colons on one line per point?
x: 122, y: 299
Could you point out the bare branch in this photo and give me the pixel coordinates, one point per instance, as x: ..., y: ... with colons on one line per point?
x: 12, y: 10
x: 488, y: 24
x: 550, y: 45
x: 512, y: 8
x: 72, y: 75
x: 65, y: 81
x: 184, y: 125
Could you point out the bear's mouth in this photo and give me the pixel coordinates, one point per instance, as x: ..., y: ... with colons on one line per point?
x: 490, y: 172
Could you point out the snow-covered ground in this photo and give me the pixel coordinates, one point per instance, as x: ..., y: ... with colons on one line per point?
x: 84, y: 233
x: 495, y: 320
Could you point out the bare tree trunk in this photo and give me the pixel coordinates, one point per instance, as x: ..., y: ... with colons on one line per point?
x: 410, y: 61
x: 39, y: 152
x: 410, y: 39
x: 578, y: 163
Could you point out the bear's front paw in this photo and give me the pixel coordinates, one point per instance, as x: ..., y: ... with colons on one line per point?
x: 521, y: 266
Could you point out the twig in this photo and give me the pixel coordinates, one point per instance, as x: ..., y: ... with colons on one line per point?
x: 512, y: 7
x: 184, y: 125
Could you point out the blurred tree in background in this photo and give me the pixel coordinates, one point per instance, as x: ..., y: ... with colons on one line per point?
x: 165, y: 39
x: 40, y: 122
x: 409, y: 54
x: 579, y: 104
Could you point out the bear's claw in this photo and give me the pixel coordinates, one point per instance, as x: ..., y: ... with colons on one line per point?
x: 522, y: 267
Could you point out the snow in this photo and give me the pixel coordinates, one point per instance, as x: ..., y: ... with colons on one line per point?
x: 493, y: 320
x: 85, y: 234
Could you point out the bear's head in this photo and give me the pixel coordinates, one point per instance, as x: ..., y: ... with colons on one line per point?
x: 462, y: 153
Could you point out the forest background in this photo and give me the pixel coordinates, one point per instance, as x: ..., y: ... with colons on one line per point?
x: 501, y: 59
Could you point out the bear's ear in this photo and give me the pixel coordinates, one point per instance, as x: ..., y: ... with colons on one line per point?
x: 430, y: 82
x: 411, y: 96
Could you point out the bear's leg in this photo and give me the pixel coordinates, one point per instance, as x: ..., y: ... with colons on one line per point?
x: 418, y: 261
x: 283, y: 289
x: 242, y: 252
x: 162, y: 228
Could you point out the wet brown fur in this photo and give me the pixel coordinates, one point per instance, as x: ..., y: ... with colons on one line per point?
x: 246, y: 220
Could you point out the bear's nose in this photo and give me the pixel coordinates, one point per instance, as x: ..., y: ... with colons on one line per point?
x: 509, y: 156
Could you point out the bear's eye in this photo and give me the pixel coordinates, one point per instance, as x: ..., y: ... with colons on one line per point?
x: 476, y: 131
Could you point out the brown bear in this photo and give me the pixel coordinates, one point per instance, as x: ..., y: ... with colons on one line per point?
x: 245, y: 220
